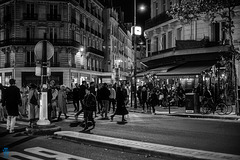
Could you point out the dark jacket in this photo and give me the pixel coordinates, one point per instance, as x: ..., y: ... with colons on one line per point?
x: 11, y: 100
x: 76, y: 93
x: 90, y: 102
x: 144, y: 95
x: 104, y: 93
x: 82, y: 91
x: 153, y: 99
x: 92, y: 90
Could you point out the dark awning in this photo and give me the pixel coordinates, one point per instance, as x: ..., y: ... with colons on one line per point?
x: 162, y: 69
x: 188, y: 69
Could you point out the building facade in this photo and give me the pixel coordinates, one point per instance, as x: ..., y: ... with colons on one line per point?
x: 117, y: 46
x: 185, y: 53
x: 75, y: 29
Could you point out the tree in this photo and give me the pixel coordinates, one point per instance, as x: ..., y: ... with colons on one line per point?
x: 191, y: 10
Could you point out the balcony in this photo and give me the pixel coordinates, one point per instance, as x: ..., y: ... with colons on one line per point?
x: 29, y: 64
x: 34, y: 41
x: 162, y: 51
x: 53, y: 17
x: 159, y: 19
x: 95, y: 51
x: 30, y: 16
x: 191, y: 44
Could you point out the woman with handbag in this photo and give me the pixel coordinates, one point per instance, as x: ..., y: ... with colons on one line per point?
x: 33, y: 102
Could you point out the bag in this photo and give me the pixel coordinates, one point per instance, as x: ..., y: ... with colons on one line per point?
x: 33, y: 100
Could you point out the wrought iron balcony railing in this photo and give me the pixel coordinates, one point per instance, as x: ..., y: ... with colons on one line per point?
x: 53, y: 17
x: 24, y: 41
x: 31, y: 16
x: 95, y: 51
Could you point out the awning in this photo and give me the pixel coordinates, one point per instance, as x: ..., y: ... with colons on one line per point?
x: 162, y: 69
x: 188, y: 69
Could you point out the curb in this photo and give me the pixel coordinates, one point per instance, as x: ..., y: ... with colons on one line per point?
x: 203, y: 116
x: 43, y: 130
x: 123, y: 148
x: 193, y: 115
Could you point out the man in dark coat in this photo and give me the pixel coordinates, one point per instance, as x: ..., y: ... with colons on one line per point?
x: 11, y: 99
x: 105, y: 93
x: 76, y: 98
x: 90, y: 106
x: 82, y: 92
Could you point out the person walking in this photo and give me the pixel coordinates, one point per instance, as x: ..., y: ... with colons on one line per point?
x: 2, y: 118
x: 76, y: 98
x: 49, y: 99
x: 144, y: 98
x: 99, y: 99
x: 12, y: 99
x: 105, y: 93
x: 153, y: 100
x: 92, y: 89
x: 121, y: 97
x: 24, y: 91
x: 62, y: 102
x: 139, y: 95
x: 33, y: 101
x: 112, y: 98
x: 54, y: 101
x: 90, y: 105
x: 82, y: 92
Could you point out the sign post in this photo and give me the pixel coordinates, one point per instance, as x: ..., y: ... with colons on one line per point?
x: 44, y: 50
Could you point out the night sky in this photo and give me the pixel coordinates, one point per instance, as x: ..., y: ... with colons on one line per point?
x: 128, y: 9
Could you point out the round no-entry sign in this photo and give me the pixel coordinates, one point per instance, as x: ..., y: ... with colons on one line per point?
x: 39, y: 49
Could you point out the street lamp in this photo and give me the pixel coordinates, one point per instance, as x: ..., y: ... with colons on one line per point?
x: 136, y: 31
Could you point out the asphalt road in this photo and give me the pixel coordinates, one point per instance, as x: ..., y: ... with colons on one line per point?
x: 48, y: 148
x: 203, y: 134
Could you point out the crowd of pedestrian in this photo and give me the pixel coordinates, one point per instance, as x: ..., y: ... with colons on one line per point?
x: 106, y: 97
x: 25, y: 102
x: 162, y: 96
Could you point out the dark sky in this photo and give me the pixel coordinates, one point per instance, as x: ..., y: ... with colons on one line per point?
x: 128, y: 9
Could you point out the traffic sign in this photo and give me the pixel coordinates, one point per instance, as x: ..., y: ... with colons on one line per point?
x: 39, y: 49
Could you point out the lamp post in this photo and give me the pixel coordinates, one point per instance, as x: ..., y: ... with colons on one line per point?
x: 135, y: 57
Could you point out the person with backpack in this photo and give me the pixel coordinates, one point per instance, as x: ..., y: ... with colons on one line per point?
x: 33, y: 101
x: 90, y: 104
x: 12, y: 99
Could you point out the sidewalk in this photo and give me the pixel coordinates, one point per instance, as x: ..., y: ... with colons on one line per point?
x: 147, y: 148
x: 181, y: 112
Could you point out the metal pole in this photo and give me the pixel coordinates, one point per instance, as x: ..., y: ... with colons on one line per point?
x: 135, y: 58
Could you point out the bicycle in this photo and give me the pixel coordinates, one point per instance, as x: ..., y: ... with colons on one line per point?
x: 209, y: 106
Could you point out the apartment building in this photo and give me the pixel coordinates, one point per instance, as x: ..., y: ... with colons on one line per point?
x: 186, y: 53
x: 74, y: 27
x: 117, y: 45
